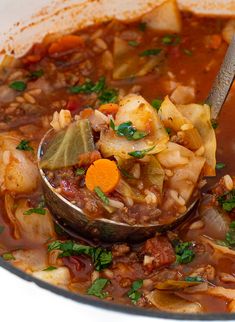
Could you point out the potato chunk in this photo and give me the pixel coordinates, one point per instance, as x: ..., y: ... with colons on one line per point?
x: 164, y: 18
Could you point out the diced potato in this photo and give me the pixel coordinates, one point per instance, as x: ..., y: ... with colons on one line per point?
x: 57, y: 277
x: 229, y: 30
x: 164, y: 18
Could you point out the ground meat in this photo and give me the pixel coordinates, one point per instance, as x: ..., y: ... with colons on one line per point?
x: 120, y: 250
x: 161, y: 250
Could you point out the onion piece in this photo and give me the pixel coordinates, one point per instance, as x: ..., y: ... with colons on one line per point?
x: 216, y: 221
x: 173, y: 285
x: 221, y: 249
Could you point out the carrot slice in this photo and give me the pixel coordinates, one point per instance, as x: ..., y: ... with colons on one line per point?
x: 86, y: 113
x: 65, y: 43
x: 109, y: 108
x: 103, y: 173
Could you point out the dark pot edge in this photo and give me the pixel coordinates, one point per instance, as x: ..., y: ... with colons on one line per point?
x: 111, y: 306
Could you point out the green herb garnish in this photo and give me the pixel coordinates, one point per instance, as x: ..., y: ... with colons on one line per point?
x: 39, y: 211
x: 219, y: 165
x: 24, y: 146
x: 214, y: 124
x: 150, y: 52
x: 127, y: 130
x: 101, y: 195
x: 133, y: 293
x: 89, y: 87
x: 227, y: 200
x: 97, y: 287
x: 156, y: 103
x: 80, y: 172
x: 19, y: 86
x: 142, y: 26
x: 8, y: 256
x: 188, y: 52
x: 36, y: 74
x: 229, y: 237
x: 108, y: 95
x: 101, y: 258
x: 184, y: 252
x: 125, y: 173
x: 133, y: 43
x: 59, y: 230
x: 168, y: 129
x: 2, y: 229
x: 198, y: 279
x: 49, y: 268
x: 140, y: 154
x: 171, y: 40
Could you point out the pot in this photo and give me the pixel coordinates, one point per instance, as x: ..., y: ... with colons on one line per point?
x: 25, y: 22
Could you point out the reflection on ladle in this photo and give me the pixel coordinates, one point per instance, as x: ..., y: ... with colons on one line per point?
x: 75, y: 221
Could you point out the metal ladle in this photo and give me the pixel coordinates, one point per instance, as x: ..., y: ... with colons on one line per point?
x: 73, y: 219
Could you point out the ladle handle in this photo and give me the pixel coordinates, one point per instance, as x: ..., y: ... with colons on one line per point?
x: 223, y: 81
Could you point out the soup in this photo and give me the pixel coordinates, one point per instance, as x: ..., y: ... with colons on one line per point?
x: 86, y: 78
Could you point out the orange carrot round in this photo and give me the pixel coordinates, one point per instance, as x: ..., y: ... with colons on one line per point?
x: 103, y: 173
x: 109, y: 108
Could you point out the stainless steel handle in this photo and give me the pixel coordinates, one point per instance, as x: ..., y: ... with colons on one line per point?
x: 222, y: 82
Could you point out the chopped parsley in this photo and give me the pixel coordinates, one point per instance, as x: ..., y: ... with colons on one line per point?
x: 229, y: 237
x: 125, y: 173
x: 2, y: 229
x: 35, y: 74
x: 133, y: 43
x: 171, y: 40
x: 101, y: 195
x: 106, y: 95
x: 39, y: 211
x: 24, y: 146
x: 97, y: 288
x: 220, y: 165
x: 198, y: 279
x: 214, y: 124
x: 142, y: 26
x: 150, y: 52
x: 184, y: 252
x: 59, y: 230
x: 227, y: 200
x: 49, y: 268
x: 19, y: 86
x: 8, y: 256
x: 89, y: 87
x: 187, y: 52
x: 127, y: 130
x: 156, y: 103
x: 133, y: 293
x: 80, y: 172
x: 101, y: 258
x: 168, y: 129
x: 140, y: 154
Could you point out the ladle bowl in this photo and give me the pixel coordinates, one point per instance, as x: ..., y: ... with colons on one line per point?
x: 74, y: 220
